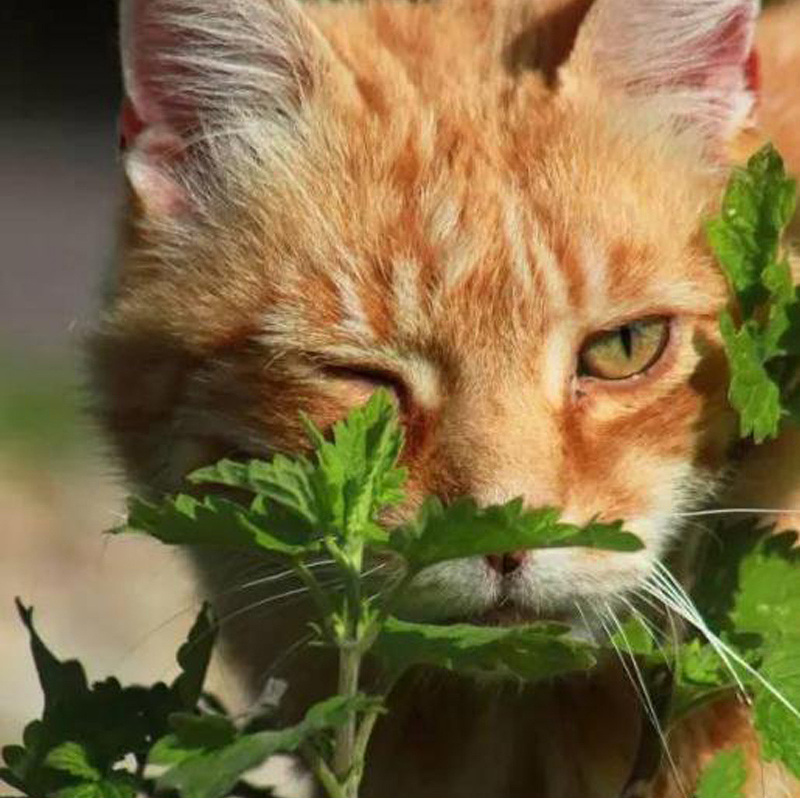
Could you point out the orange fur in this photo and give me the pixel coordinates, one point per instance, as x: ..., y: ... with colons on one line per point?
x: 441, y: 199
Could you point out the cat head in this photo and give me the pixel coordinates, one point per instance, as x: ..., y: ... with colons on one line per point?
x: 494, y: 209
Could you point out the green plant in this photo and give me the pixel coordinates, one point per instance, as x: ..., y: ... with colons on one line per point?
x: 332, y: 503
x: 763, y: 348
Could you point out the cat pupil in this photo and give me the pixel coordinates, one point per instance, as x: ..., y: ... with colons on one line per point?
x: 626, y: 337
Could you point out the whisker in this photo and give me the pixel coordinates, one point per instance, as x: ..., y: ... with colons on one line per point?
x: 644, y: 695
x: 283, y: 657
x: 145, y: 638
x: 661, y: 608
x: 374, y: 569
x: 680, y: 602
x: 296, y: 594
x: 288, y: 573
x: 695, y: 619
x: 653, y: 632
x: 589, y: 628
x: 715, y: 512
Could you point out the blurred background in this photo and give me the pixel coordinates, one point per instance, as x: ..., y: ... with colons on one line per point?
x: 119, y: 604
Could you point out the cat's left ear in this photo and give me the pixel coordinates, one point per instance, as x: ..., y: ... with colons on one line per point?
x: 692, y: 60
x: 196, y: 69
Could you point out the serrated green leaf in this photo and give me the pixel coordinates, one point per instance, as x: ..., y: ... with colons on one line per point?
x: 764, y: 349
x: 635, y: 637
x: 753, y: 393
x: 194, y: 656
x: 767, y: 604
x: 220, y: 522
x: 357, y: 474
x: 778, y: 719
x: 118, y: 784
x: 61, y: 681
x: 530, y: 653
x: 700, y: 677
x: 86, y: 730
x: 207, y: 757
x: 463, y: 529
x: 207, y: 731
x: 72, y: 758
x: 286, y: 481
x: 768, y: 597
x: 725, y: 776
x: 354, y: 476
x: 757, y: 206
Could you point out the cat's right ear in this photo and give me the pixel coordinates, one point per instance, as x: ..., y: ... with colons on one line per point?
x: 690, y: 61
x: 191, y: 66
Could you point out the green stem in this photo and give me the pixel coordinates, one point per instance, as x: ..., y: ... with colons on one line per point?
x: 318, y: 595
x: 344, y: 752
x: 323, y: 772
x: 360, y: 749
x: 388, y: 606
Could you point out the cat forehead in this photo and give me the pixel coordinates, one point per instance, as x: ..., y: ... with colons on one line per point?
x: 407, y: 225
x: 443, y: 182
x: 473, y: 265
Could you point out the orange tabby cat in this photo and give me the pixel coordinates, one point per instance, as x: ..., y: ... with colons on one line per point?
x: 495, y: 209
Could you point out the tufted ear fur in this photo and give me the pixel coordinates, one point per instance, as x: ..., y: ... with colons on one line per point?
x: 191, y: 66
x: 692, y: 59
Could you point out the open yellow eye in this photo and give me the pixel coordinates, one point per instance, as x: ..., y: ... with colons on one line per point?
x: 625, y: 351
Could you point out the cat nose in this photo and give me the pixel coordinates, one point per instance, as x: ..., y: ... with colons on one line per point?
x: 506, y: 563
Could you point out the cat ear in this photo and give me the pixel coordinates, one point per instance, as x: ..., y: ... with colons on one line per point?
x: 188, y: 65
x: 693, y: 58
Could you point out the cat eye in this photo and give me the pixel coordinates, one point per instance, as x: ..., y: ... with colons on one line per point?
x: 370, y: 378
x: 623, y: 352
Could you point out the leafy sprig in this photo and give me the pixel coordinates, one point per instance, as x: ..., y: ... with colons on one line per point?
x: 75, y: 749
x: 762, y: 335
x: 333, y: 502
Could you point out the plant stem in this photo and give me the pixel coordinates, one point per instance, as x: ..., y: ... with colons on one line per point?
x: 323, y: 772
x: 360, y: 748
x: 345, y: 750
x: 318, y: 595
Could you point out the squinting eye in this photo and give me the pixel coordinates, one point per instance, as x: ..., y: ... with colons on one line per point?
x: 625, y: 351
x: 368, y: 379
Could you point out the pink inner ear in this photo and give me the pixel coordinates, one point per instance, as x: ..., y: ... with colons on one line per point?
x: 156, y: 115
x: 727, y: 54
x: 151, y: 152
x: 156, y: 72
x: 752, y: 72
x: 130, y: 125
x: 149, y: 168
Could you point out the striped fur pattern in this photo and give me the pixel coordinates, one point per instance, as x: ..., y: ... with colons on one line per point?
x: 440, y: 197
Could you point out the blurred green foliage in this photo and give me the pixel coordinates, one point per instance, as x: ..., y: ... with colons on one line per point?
x: 40, y: 406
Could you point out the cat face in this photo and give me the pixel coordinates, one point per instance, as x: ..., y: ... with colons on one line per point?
x: 331, y: 200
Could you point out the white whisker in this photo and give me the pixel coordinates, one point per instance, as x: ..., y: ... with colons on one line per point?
x: 687, y: 609
x: 274, y: 577
x: 654, y: 633
x: 649, y: 706
x: 716, y: 512
x: 270, y: 600
x: 283, y: 657
x: 676, y: 598
x: 373, y: 570
x: 589, y: 628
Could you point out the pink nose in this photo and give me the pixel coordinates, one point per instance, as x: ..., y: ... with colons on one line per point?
x: 506, y: 563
